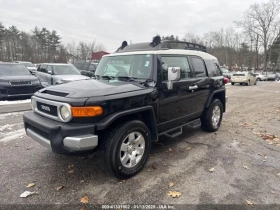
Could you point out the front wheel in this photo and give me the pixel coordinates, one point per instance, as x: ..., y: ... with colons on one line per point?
x: 232, y: 83
x: 127, y: 149
x: 212, y: 117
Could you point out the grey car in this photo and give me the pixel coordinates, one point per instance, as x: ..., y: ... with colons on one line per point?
x: 54, y: 74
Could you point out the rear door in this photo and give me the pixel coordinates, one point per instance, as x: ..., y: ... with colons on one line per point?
x: 178, y: 105
x: 201, y: 83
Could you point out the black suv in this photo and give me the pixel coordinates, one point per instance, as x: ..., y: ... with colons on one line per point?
x: 139, y: 93
x: 86, y: 68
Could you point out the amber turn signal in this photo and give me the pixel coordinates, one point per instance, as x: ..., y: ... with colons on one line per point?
x: 87, y: 111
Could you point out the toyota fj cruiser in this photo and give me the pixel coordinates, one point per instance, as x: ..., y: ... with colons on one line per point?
x: 139, y: 93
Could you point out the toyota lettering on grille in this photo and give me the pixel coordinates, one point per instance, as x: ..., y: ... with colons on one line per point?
x: 46, y: 108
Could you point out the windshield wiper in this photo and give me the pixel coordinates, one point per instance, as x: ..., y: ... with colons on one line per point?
x: 104, y: 77
x: 128, y: 78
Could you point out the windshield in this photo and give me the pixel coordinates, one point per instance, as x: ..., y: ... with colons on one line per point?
x: 224, y: 70
x: 65, y: 70
x: 28, y: 65
x: 135, y: 66
x: 13, y: 70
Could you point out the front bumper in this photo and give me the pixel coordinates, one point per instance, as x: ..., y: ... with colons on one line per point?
x: 62, y: 138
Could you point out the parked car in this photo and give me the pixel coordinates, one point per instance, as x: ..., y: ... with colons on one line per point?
x: 226, y: 73
x: 30, y: 66
x: 273, y: 77
x: 86, y: 68
x: 16, y: 81
x: 243, y: 78
x: 58, y: 73
x: 260, y: 77
x: 151, y: 90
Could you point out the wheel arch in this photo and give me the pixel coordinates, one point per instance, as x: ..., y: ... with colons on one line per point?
x: 145, y: 114
x: 219, y: 94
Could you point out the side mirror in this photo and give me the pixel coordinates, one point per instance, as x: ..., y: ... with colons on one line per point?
x: 174, y: 74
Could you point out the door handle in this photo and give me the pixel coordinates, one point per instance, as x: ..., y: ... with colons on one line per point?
x: 193, y: 87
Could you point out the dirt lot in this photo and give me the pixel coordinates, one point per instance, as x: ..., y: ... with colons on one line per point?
x: 244, y: 165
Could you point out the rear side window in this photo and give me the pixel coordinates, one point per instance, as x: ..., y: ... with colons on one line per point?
x: 199, y: 67
x: 213, y: 68
x: 174, y: 61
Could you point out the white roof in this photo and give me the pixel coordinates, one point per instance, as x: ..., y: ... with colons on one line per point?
x: 203, y: 55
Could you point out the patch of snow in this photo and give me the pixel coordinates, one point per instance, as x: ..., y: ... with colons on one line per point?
x: 9, y: 127
x: 12, y: 135
x: 4, y: 116
x: 15, y: 102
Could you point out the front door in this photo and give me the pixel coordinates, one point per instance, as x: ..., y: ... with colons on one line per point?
x: 182, y: 103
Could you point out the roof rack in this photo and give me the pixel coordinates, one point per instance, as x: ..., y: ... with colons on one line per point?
x: 157, y: 44
x: 183, y: 45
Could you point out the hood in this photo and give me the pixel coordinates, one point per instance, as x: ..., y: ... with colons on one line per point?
x: 70, y: 78
x: 32, y: 68
x: 17, y: 78
x: 94, y: 88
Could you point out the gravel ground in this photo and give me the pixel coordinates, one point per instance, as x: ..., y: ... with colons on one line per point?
x: 244, y: 165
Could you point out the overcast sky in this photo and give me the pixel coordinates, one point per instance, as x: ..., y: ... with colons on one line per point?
x: 112, y: 21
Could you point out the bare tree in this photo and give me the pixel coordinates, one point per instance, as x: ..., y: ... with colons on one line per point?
x: 261, y: 20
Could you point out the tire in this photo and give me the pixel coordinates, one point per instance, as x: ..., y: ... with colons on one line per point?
x: 207, y: 121
x: 232, y: 83
x: 256, y: 82
x: 117, y: 147
x: 258, y: 79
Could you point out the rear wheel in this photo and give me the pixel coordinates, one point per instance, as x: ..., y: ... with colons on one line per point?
x: 212, y: 117
x: 232, y: 83
x: 127, y: 149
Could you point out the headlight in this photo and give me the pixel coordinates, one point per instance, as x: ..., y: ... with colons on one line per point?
x: 65, y: 112
x: 4, y: 83
x: 33, y: 104
x: 35, y: 82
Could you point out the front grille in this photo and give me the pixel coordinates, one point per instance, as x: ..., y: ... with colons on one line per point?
x: 38, y: 131
x: 21, y: 90
x: 46, y: 108
x: 20, y: 82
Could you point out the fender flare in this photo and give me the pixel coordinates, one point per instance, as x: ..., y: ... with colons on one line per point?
x: 210, y: 98
x: 107, y: 121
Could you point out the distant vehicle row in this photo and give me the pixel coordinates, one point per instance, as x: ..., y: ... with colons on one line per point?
x: 16, y: 80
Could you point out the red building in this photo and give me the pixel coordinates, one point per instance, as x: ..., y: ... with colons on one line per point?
x: 98, y: 55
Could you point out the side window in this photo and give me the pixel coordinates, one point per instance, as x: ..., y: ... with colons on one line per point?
x: 92, y: 67
x: 78, y: 65
x: 85, y: 66
x: 174, y: 61
x: 199, y: 67
x: 43, y: 69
